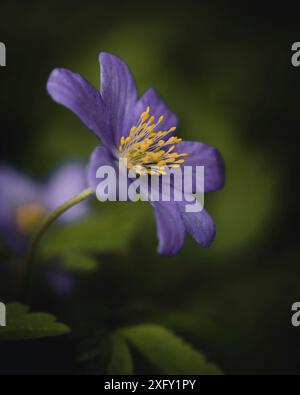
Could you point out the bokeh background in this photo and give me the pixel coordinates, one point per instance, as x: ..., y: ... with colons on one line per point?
x: 226, y: 71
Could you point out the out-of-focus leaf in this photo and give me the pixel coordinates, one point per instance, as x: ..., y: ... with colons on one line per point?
x: 110, y: 228
x: 78, y: 261
x: 21, y: 324
x: 167, y: 351
x: 121, y: 360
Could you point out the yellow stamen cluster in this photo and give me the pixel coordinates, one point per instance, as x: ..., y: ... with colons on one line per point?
x: 147, y: 150
x: 29, y: 216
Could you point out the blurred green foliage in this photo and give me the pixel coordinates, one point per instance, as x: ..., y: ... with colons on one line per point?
x: 109, y: 228
x: 167, y: 351
x: 121, y: 360
x: 24, y: 325
x: 226, y: 73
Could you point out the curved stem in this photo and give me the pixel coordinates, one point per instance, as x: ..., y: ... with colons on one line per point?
x: 43, y: 228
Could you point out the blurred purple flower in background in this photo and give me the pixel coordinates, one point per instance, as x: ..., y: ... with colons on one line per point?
x: 24, y: 203
x: 125, y: 124
x: 61, y: 280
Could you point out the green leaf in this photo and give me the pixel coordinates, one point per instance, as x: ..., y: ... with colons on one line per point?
x: 23, y: 325
x: 121, y: 360
x: 110, y: 228
x: 167, y: 351
x: 78, y: 261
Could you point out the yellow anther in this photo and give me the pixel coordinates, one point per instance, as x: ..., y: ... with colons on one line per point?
x: 144, y: 116
x: 143, y: 147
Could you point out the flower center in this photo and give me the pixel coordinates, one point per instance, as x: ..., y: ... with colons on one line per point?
x: 28, y: 217
x: 148, y: 151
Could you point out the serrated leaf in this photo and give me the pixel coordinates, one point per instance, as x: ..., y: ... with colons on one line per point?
x: 121, y: 360
x: 167, y: 351
x: 23, y: 325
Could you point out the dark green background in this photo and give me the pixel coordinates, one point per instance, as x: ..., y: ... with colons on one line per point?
x: 226, y: 71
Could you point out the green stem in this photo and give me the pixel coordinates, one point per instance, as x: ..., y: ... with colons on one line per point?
x: 43, y: 228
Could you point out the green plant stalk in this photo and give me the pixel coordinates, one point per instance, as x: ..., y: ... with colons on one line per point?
x: 43, y: 228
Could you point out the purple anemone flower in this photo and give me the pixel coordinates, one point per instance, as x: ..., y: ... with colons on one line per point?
x: 126, y: 126
x: 24, y: 203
